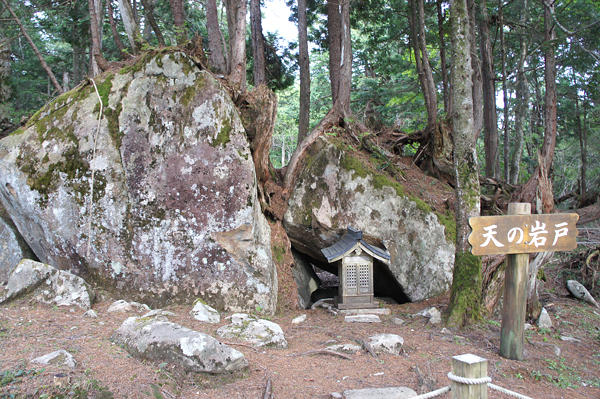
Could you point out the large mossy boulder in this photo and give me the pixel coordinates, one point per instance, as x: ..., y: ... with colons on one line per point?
x: 336, y: 190
x: 174, y: 214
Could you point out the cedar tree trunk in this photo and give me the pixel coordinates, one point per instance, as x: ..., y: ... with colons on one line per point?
x: 131, y: 25
x: 304, y: 61
x: 258, y: 43
x: 215, y: 43
x: 236, y: 25
x: 465, y: 297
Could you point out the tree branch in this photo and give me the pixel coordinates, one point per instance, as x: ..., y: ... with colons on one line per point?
x: 35, y: 49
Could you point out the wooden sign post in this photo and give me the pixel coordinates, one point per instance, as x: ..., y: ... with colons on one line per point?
x: 518, y: 234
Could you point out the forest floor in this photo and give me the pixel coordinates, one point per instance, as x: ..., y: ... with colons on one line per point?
x: 552, y: 368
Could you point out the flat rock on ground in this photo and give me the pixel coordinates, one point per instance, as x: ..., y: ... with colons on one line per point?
x: 380, y: 393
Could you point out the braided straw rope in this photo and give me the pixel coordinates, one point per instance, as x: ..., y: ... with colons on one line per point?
x: 469, y: 381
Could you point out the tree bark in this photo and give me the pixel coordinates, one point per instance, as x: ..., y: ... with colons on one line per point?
x: 445, y: 83
x: 431, y: 99
x: 258, y: 44
x: 522, y: 97
x: 99, y: 59
x: 5, y: 76
x: 236, y: 25
x: 149, y: 12
x: 115, y: 32
x: 178, y: 11
x: 37, y: 52
x: 304, y: 61
x: 476, y: 66
x: 505, y: 122
x: 215, y: 44
x: 465, y: 297
x: 490, y: 118
x: 581, y: 128
x: 334, y: 31
x: 131, y: 26
x: 345, y: 87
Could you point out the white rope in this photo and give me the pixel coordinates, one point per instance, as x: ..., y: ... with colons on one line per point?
x: 91, y: 203
x: 433, y: 394
x: 469, y: 381
x: 507, y: 392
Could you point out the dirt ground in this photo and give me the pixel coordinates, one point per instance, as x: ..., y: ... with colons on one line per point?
x: 104, y: 370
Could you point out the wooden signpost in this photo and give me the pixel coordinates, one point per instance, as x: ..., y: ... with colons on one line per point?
x: 518, y: 234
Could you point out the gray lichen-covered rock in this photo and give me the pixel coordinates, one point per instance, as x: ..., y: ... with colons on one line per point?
x: 203, y: 312
x: 59, y: 358
x: 162, y: 341
x: 174, y: 213
x: 13, y: 248
x: 335, y: 190
x: 387, y: 343
x: 25, y: 278
x: 51, y: 286
x: 544, y: 321
x: 580, y: 292
x: 258, y: 332
x: 306, y: 279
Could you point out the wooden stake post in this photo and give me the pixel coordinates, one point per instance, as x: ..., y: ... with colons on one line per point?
x: 518, y: 234
x: 472, y: 367
x: 515, y: 297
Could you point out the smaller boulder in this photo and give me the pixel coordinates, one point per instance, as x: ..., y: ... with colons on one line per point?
x: 60, y: 358
x: 13, y: 248
x: 53, y: 286
x: 387, y: 343
x: 434, y: 315
x: 580, y: 292
x: 203, y: 312
x: 299, y: 319
x: 91, y: 313
x: 123, y: 306
x: 160, y: 340
x: 347, y: 348
x: 544, y: 320
x: 258, y: 332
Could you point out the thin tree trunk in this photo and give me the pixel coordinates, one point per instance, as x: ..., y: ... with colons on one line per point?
x: 5, y: 76
x: 236, y: 25
x: 522, y: 105
x: 581, y: 127
x: 431, y: 98
x: 345, y: 87
x: 258, y: 44
x: 115, y: 32
x: 131, y: 26
x: 179, y: 16
x: 476, y: 65
x: 37, y: 52
x: 215, y: 44
x: 445, y: 83
x: 149, y: 11
x: 465, y: 297
x: 77, y: 64
x: 414, y: 30
x: 334, y: 31
x: 550, y: 101
x: 98, y: 59
x: 490, y: 118
x: 505, y: 122
x: 304, y: 61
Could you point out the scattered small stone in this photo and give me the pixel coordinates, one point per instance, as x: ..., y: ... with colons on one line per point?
x: 121, y: 306
x: 139, y: 306
x: 299, y: 319
x: 59, y: 358
x: 377, y: 374
x: 544, y: 320
x: 527, y: 326
x: 205, y: 313
x: 580, y: 292
x: 434, y: 315
x: 90, y: 313
x: 321, y: 303
x: 387, y: 343
x: 397, y: 321
x: 556, y: 350
x: 363, y: 318
x: 347, y: 348
x: 336, y: 395
x: 445, y: 331
x: 159, y: 313
x: 380, y: 393
x: 569, y: 339
x: 258, y: 332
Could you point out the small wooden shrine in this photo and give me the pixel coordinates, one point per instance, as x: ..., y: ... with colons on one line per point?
x: 354, y: 259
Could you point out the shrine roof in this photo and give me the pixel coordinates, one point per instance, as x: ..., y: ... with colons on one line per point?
x: 348, y: 243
